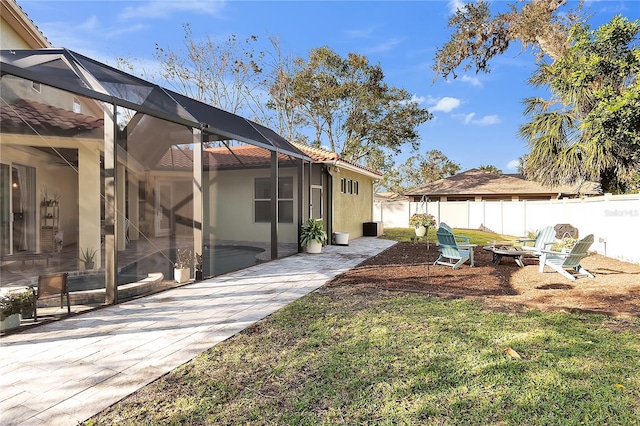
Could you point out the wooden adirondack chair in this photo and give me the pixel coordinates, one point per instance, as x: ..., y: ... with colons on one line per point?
x: 565, y: 262
x: 449, y: 248
x: 544, y: 239
x: 457, y: 237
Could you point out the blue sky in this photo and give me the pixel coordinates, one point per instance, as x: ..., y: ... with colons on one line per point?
x: 476, y: 116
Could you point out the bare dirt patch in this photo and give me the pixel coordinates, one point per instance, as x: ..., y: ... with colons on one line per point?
x: 615, y: 290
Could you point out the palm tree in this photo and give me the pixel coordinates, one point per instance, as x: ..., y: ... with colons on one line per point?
x: 588, y: 130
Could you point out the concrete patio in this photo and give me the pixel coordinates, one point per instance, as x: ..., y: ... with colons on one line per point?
x: 64, y: 372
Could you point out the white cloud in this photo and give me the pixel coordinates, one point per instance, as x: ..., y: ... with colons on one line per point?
x: 513, y: 165
x: 418, y: 99
x: 456, y: 4
x: 384, y: 47
x: 89, y: 24
x: 361, y: 33
x: 445, y: 104
x: 166, y: 9
x: 487, y: 120
x: 474, y: 81
x: 470, y: 118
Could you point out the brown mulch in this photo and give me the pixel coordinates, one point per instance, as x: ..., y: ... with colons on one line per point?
x: 615, y: 290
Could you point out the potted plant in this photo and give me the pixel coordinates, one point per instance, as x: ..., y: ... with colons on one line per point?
x: 198, y: 266
x: 421, y: 222
x: 564, y: 245
x: 9, y: 312
x: 182, y: 267
x: 26, y: 299
x: 313, y: 236
x: 87, y: 255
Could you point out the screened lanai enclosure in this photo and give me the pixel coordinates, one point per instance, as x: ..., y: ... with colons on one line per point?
x: 97, y: 161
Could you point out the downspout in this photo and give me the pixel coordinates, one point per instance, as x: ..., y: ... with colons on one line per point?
x: 331, y: 209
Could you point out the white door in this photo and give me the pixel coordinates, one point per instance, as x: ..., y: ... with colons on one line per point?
x: 317, y: 208
x: 164, y: 204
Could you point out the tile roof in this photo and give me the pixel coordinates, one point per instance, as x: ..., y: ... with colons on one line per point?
x: 221, y: 158
x: 46, y: 119
x: 479, y: 182
x: 322, y: 155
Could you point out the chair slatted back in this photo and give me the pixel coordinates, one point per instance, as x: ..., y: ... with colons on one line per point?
x: 579, y: 251
x: 52, y: 285
x: 546, y: 236
x: 447, y: 242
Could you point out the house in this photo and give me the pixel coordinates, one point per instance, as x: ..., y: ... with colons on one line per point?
x: 17, y: 30
x: 479, y: 185
x: 95, y: 158
x: 341, y: 191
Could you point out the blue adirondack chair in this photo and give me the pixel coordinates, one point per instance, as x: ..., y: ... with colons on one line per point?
x: 544, y: 240
x: 457, y: 237
x: 562, y: 263
x: 450, y: 253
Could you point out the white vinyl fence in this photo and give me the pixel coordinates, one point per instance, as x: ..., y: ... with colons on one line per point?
x: 614, y: 220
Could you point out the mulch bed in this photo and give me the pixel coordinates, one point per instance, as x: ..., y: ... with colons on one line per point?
x: 615, y: 290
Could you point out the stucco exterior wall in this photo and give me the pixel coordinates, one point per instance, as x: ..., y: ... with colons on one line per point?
x: 10, y: 39
x: 231, y: 207
x: 17, y: 30
x: 350, y: 211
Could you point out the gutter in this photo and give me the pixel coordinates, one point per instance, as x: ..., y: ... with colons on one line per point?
x: 337, y: 164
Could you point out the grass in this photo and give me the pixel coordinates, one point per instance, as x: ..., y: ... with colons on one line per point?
x: 476, y: 236
x: 336, y: 357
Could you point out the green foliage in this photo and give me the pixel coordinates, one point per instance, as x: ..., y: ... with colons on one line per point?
x: 478, y: 36
x: 88, y: 254
x: 565, y: 243
x: 589, y: 129
x: 490, y: 169
x: 312, y: 230
x: 352, y: 109
x: 419, y: 170
x: 424, y: 219
x: 10, y: 303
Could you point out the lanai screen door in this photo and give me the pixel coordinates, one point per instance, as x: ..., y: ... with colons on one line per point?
x: 164, y: 203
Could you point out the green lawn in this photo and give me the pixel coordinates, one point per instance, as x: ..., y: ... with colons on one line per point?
x: 476, y: 236
x: 390, y: 358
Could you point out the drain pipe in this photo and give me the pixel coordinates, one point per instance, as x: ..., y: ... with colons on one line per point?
x: 331, y: 169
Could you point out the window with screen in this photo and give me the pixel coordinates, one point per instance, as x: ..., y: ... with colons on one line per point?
x: 262, y: 200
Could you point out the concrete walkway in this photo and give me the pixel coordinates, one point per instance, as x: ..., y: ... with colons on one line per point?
x: 66, y: 371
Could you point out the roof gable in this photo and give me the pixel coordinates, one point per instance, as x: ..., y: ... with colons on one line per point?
x: 479, y: 182
x: 320, y: 155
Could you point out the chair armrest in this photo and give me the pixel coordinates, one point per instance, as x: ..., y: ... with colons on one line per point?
x: 525, y: 240
x: 463, y: 237
x: 555, y: 253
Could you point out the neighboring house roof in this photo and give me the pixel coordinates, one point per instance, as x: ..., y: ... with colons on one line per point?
x: 333, y: 158
x: 23, y: 27
x: 476, y: 182
x: 388, y: 197
x: 45, y: 119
